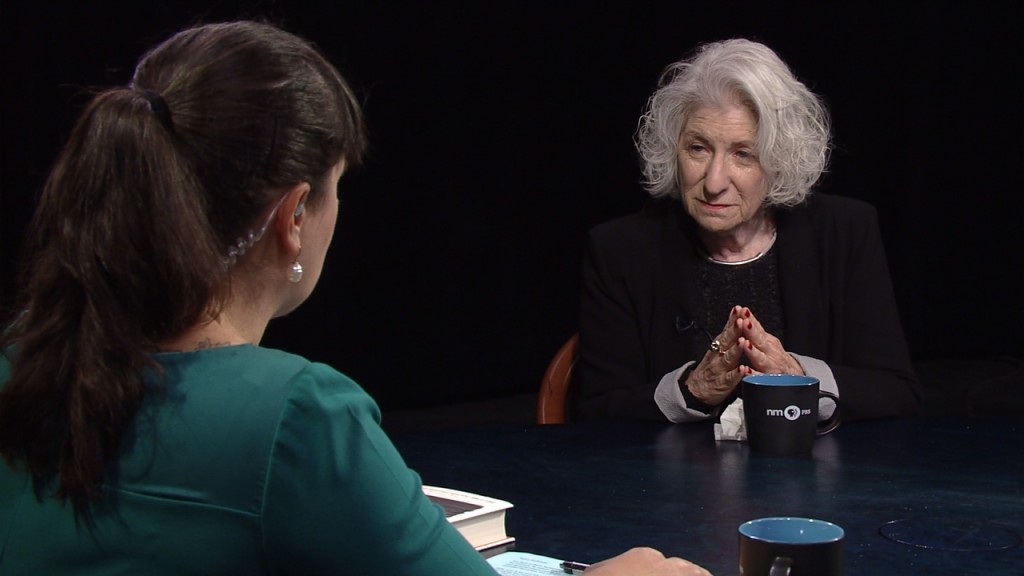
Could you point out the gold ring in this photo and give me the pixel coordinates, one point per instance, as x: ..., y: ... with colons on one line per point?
x: 716, y: 346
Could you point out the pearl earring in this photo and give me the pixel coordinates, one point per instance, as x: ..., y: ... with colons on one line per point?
x: 295, y: 273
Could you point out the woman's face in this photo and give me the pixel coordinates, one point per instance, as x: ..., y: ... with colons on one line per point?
x: 723, y: 185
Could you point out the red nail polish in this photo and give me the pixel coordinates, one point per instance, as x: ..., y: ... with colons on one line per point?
x: 750, y: 325
x: 750, y: 345
x: 747, y: 313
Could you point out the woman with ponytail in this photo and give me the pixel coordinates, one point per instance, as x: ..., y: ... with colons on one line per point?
x: 143, y: 428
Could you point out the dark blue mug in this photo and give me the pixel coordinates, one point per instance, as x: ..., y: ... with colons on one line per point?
x: 781, y: 413
x: 789, y: 546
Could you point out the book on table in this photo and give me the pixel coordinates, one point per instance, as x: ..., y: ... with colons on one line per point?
x: 480, y: 519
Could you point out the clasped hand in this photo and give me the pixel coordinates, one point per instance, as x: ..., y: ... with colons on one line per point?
x: 720, y: 371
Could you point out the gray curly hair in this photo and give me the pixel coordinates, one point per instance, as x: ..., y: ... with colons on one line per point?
x: 793, y: 132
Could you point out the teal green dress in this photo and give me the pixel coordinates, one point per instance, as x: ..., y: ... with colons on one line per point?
x: 244, y: 461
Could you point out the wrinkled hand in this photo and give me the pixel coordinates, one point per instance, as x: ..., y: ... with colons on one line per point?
x: 645, y: 562
x: 763, y: 350
x: 718, y: 373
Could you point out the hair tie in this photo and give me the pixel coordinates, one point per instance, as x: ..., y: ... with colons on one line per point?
x: 158, y: 106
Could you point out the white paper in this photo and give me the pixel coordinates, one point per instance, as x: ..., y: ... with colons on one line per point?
x: 525, y: 564
x: 731, y: 425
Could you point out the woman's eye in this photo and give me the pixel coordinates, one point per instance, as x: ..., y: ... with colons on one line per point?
x: 746, y: 155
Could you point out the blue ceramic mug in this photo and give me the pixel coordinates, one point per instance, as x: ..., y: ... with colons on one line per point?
x: 789, y: 546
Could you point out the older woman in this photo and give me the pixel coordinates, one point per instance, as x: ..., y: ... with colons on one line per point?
x: 144, y: 429
x: 734, y: 267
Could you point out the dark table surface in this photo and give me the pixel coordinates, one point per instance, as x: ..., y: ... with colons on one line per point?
x: 588, y: 491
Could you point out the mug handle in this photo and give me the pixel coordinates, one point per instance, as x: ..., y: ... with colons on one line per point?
x: 781, y: 566
x: 833, y: 422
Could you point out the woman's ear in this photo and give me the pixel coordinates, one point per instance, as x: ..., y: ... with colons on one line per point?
x: 291, y: 216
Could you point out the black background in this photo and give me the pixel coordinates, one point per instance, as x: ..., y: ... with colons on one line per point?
x: 502, y: 131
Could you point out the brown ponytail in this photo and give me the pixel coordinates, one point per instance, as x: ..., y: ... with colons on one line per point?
x: 128, y: 241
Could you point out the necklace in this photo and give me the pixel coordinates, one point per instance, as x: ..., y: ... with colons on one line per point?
x: 753, y: 258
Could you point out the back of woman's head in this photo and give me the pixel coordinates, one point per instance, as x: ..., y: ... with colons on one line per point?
x: 131, y: 238
x: 793, y: 132
x: 253, y: 108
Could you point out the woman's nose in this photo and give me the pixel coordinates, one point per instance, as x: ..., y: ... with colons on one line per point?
x: 716, y: 178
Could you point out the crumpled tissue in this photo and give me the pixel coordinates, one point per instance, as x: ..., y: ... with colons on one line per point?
x: 731, y: 425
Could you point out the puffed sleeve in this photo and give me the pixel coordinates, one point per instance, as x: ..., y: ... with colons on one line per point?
x: 339, y: 498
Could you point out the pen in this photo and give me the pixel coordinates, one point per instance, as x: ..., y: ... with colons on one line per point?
x: 574, y: 567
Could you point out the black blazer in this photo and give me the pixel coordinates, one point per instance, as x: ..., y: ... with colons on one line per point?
x: 639, y: 295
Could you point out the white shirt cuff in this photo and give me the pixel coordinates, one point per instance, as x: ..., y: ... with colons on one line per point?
x: 670, y: 399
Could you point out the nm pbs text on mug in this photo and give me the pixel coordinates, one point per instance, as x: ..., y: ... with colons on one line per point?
x: 781, y: 413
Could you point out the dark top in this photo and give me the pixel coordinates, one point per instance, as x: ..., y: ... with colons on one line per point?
x: 643, y: 308
x: 755, y: 284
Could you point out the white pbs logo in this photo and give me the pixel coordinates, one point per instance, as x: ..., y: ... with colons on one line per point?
x: 791, y: 412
